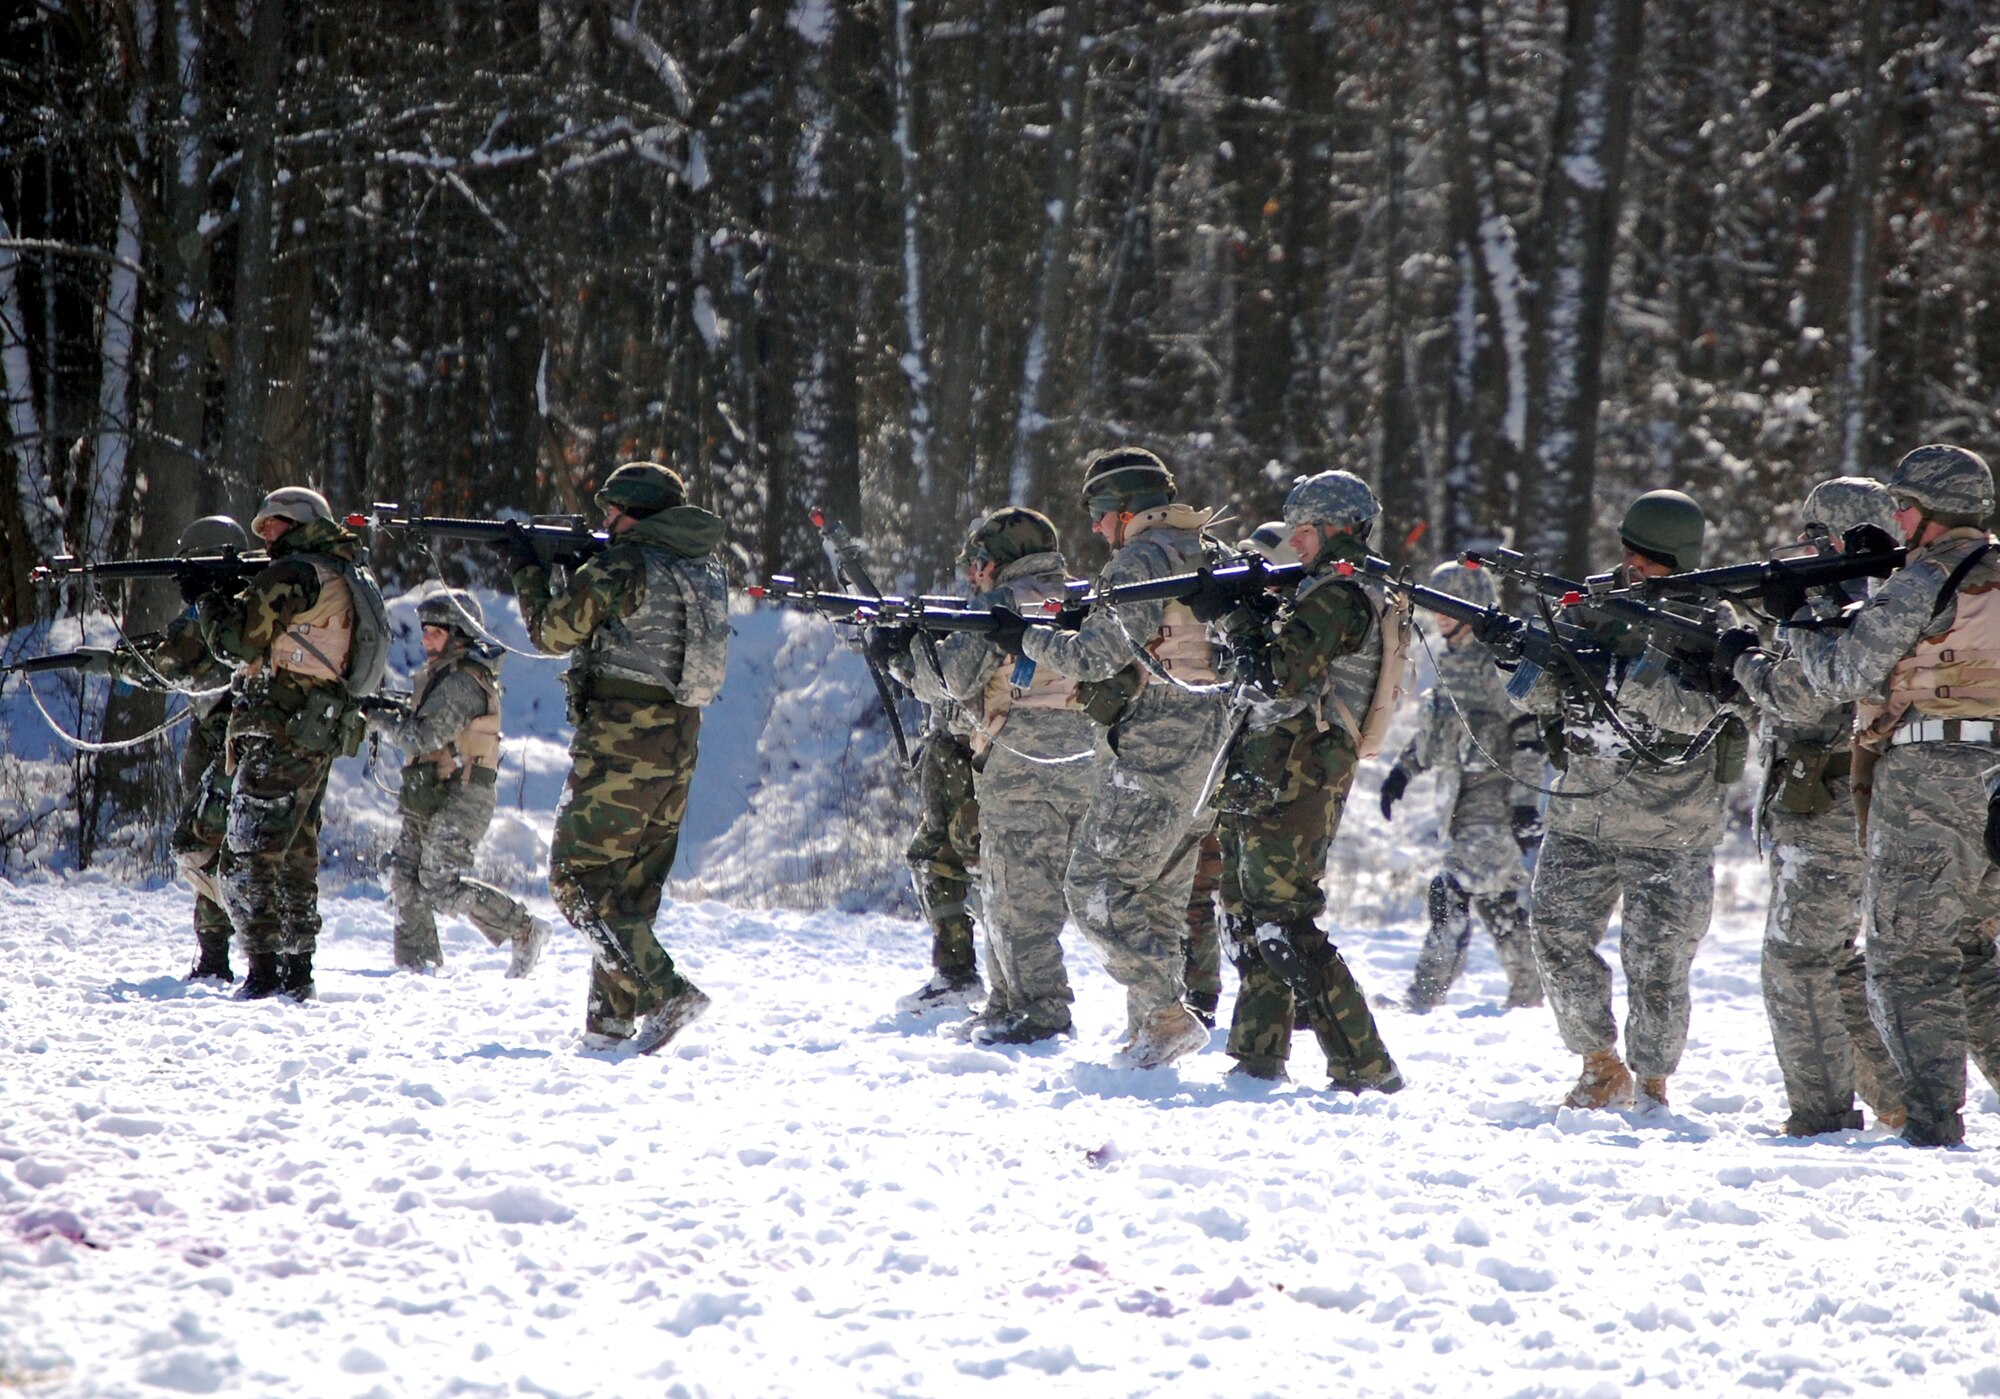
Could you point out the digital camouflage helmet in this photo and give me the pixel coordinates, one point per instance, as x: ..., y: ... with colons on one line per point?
x: 212, y: 534
x: 299, y: 504
x: 1008, y: 535
x: 1847, y: 502
x: 642, y: 488
x: 1337, y: 499
x: 1125, y: 479
x: 1952, y: 485
x: 1666, y: 527
x: 1473, y: 585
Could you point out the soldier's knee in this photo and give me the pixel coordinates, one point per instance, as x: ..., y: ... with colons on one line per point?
x: 1448, y: 900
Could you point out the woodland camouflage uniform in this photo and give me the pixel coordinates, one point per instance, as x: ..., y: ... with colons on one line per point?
x: 1932, y: 892
x: 632, y: 758
x: 943, y: 854
x: 1287, y: 780
x: 285, y: 730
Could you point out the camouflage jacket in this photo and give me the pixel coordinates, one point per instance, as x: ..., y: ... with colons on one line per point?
x: 1106, y: 642
x: 241, y: 629
x: 1805, y: 739
x: 448, y: 703
x: 1465, y: 726
x: 1854, y: 662
x: 177, y: 658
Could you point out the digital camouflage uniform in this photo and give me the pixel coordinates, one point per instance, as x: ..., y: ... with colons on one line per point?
x: 447, y: 800
x: 179, y: 659
x: 1031, y: 812
x: 1288, y: 775
x: 285, y: 729
x: 944, y: 853
x: 1204, y: 930
x: 1932, y: 892
x: 1129, y: 876
x: 633, y: 755
x: 1465, y: 724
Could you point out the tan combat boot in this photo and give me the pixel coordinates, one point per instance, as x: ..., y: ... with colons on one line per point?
x: 1653, y: 1092
x: 1605, y: 1082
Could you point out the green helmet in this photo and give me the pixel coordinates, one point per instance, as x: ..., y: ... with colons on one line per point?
x: 1272, y: 539
x: 1953, y: 485
x: 212, y: 534
x: 1007, y: 535
x: 1337, y: 498
x: 299, y: 504
x: 1666, y: 526
x: 1125, y: 478
x: 1468, y: 584
x: 642, y: 488
x: 455, y: 610
x: 1846, y: 502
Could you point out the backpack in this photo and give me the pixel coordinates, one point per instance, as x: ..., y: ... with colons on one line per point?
x: 368, y: 646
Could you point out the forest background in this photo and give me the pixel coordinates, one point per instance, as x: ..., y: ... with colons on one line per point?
x: 1510, y: 260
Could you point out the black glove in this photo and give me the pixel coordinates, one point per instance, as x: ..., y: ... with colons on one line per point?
x: 193, y: 587
x: 1069, y: 618
x: 1009, y: 627
x: 885, y: 644
x: 1498, y: 633
x: 1783, y: 598
x: 1993, y: 828
x: 1733, y: 645
x: 1527, y: 823
x: 518, y: 550
x: 1393, y: 787
x: 1869, y: 539
x: 376, y: 708
x: 1209, y: 602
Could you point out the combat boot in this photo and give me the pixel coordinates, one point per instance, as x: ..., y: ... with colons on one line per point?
x: 527, y: 948
x: 295, y: 975
x: 1806, y: 1125
x: 1204, y: 1005
x: 1265, y: 1067
x: 1605, y: 1082
x: 211, y: 966
x: 944, y: 991
x: 1017, y: 1029
x: 262, y: 979
x: 669, y: 1018
x: 1164, y: 1036
x: 1652, y: 1092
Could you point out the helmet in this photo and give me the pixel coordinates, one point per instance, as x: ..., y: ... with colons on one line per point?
x: 299, y: 504
x: 1125, y: 478
x: 1337, y: 498
x: 1272, y: 539
x: 1848, y: 501
x: 454, y: 609
x: 1666, y: 526
x: 643, y: 488
x: 1952, y: 484
x: 1473, y: 585
x: 212, y: 534
x: 1009, y: 534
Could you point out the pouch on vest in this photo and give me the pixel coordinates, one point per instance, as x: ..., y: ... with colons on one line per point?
x: 1805, y: 776
x: 1732, y: 751
x: 317, y: 726
x: 424, y: 793
x: 1106, y: 701
x: 1554, y: 743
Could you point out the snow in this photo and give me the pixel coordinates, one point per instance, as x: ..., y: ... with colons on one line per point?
x: 422, y: 1185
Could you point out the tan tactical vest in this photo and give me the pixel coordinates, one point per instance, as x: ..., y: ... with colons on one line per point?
x: 1181, y: 646
x: 477, y: 745
x: 1954, y: 675
x: 315, y: 645
x: 1047, y: 689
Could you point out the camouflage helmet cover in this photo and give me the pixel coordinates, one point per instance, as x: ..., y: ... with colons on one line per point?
x: 1337, y: 498
x: 454, y: 609
x: 1945, y: 481
x: 299, y: 504
x: 1665, y: 525
x: 1124, y: 477
x: 1473, y: 585
x: 642, y: 487
x: 1272, y: 539
x: 1845, y: 502
x: 1007, y: 535
x: 212, y: 534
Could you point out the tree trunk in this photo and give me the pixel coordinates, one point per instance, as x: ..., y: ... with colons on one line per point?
x: 243, y: 451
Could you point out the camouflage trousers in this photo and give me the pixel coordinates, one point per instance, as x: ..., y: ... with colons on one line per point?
x: 197, y: 845
x: 1816, y: 990
x: 944, y: 852
x: 1130, y: 874
x: 617, y: 830
x: 1934, y: 904
x: 268, y: 871
x: 1203, y: 962
x: 1668, y: 894
x: 1442, y: 957
x: 427, y: 875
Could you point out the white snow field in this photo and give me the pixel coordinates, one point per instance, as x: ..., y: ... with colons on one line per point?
x: 420, y: 1186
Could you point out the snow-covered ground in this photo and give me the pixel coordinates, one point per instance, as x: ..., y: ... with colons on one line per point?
x: 421, y: 1187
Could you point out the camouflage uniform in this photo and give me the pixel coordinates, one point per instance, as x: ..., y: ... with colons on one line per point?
x: 944, y: 853
x: 1287, y: 780
x: 633, y: 754
x: 1464, y: 725
x: 1129, y: 876
x: 1204, y: 932
x: 286, y: 726
x: 447, y: 799
x: 1932, y: 894
x: 177, y: 658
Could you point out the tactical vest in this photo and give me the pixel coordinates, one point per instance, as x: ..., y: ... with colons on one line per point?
x: 677, y: 639
x: 315, y: 645
x: 1181, y: 646
x: 1362, y: 688
x: 1955, y: 674
x: 1047, y: 688
x: 477, y: 745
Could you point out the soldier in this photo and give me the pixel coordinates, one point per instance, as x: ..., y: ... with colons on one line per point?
x: 1918, y: 660
x: 450, y: 730
x: 1632, y: 817
x: 1148, y: 678
x: 179, y: 659
x: 647, y: 625
x: 1815, y: 983
x: 1488, y: 772
x: 304, y: 633
x: 1033, y: 761
x: 1287, y: 779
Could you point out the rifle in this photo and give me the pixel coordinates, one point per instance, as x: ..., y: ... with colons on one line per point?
x: 930, y: 614
x: 557, y: 539
x: 843, y: 552
x: 1778, y: 585
x: 196, y: 573
x: 58, y: 660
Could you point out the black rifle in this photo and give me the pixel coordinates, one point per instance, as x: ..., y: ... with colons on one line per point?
x: 1778, y: 586
x: 843, y: 552
x: 557, y: 539
x: 196, y: 573
x: 58, y: 660
x: 930, y: 614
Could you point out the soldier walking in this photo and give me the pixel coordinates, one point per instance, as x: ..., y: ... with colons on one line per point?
x: 1815, y: 983
x: 646, y: 623
x: 451, y: 731
x: 1635, y: 815
x: 1287, y: 780
x: 1488, y: 766
x: 1148, y: 677
x: 1921, y: 661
